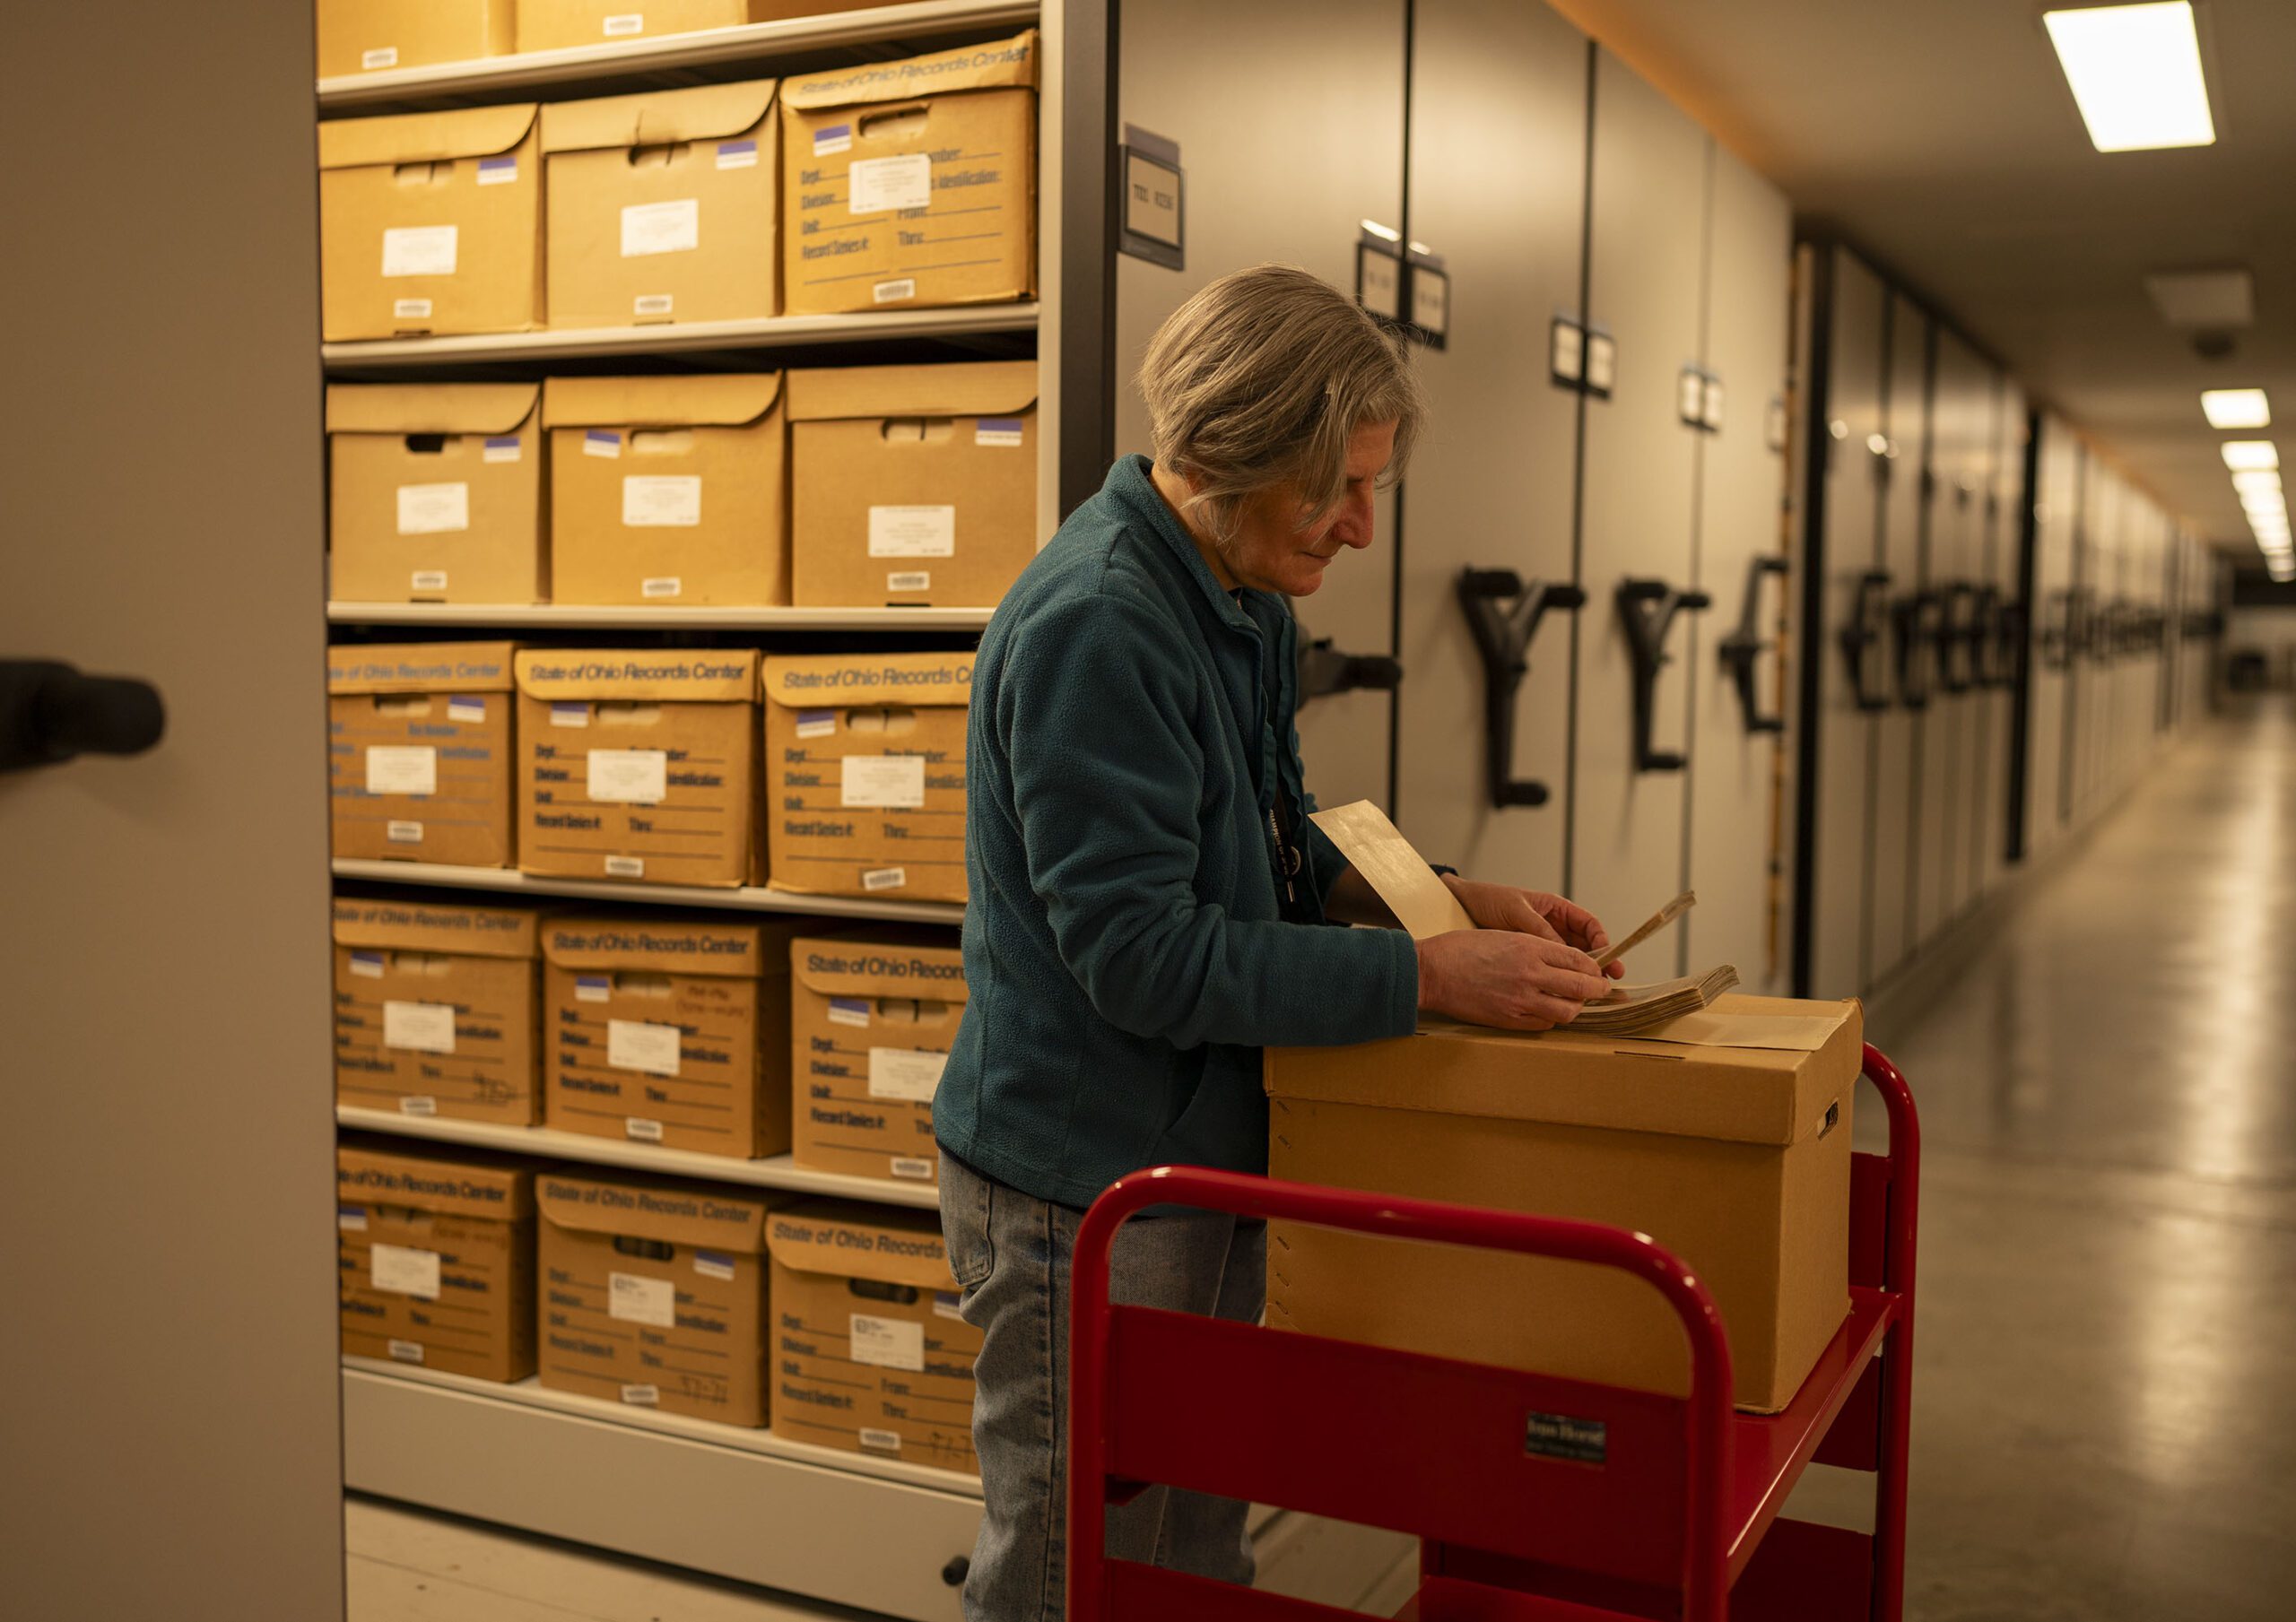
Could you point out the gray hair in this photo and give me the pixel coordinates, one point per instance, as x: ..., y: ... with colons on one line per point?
x: 1260, y: 379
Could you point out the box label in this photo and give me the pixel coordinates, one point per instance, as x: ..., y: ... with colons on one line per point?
x: 428, y: 580
x: 351, y: 1220
x: 879, y: 184
x: 642, y: 1130
x: 948, y: 1304
x: 382, y: 56
x: 912, y: 532
x: 431, y: 509
x: 641, y: 1300
x: 660, y: 501
x: 410, y: 310
x: 653, y: 304
x: 661, y: 228
x: 817, y: 723
x: 893, y: 293
x: 396, y: 832
x: 711, y: 1266
x: 642, y: 1396
x: 661, y: 585
x: 1566, y: 1437
x: 420, y: 250
x: 418, y: 1104
x: 892, y: 782
x: 998, y: 430
x: 909, y: 580
x: 842, y: 1011
x: 576, y: 714
x: 398, y: 769
x: 888, y: 1343
x: 423, y: 1028
x: 833, y: 138
x: 879, y: 1441
x: 903, y: 1072
x: 629, y: 776
x: 600, y: 442
x: 404, y: 1352
x: 625, y: 867
x: 911, y: 1169
x: 592, y: 988
x: 885, y: 878
x: 498, y: 171
x: 405, y: 1272
x: 503, y: 448
x: 466, y: 710
x: 737, y: 154
x: 636, y: 1045
x: 367, y: 964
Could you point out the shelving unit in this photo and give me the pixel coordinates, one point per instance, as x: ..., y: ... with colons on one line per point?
x: 575, y: 616
x: 747, y: 898
x: 671, y: 338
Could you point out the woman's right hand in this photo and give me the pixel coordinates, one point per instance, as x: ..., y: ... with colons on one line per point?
x: 1500, y: 978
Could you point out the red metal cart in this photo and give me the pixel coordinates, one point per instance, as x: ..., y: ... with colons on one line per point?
x: 1536, y: 1499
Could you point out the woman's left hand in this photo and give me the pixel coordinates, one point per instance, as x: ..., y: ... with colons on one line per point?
x: 1532, y: 912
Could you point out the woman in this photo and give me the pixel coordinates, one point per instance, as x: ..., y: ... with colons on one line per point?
x: 1149, y: 898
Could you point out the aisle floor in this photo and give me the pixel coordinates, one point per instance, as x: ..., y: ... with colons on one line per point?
x: 2105, y: 1425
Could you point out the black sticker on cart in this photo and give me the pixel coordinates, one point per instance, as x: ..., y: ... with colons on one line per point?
x: 1566, y: 1437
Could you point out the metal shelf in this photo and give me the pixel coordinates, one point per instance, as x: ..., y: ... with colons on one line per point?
x: 670, y: 59
x: 572, y: 616
x: 764, y: 332
x: 748, y: 898
x: 776, y: 1171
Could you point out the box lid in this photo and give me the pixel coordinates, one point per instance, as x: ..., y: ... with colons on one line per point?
x: 858, y: 1242
x: 839, y: 681
x: 473, y: 931
x: 733, y: 400
x: 471, y: 132
x: 439, y: 1179
x: 656, y: 117
x: 672, y: 946
x: 675, y: 1213
x: 429, y: 408
x: 420, y: 667
x: 965, y: 388
x: 683, y: 675
x: 1741, y: 1095
x: 1000, y: 65
x: 879, y: 965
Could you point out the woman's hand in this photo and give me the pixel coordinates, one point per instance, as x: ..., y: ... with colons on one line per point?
x: 1515, y: 979
x: 1532, y: 912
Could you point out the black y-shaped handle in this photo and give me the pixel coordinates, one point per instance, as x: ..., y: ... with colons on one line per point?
x: 1647, y: 608
x: 1862, y: 634
x: 1742, y: 647
x: 1953, y: 635
x: 1913, y: 618
x: 1504, y: 611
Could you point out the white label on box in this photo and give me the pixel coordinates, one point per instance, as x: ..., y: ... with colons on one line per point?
x: 625, y: 867
x: 916, y: 1171
x: 432, y: 509
x: 842, y: 1011
x: 909, y: 580
x: 879, y: 1441
x: 404, y: 1352
x: 418, y: 1104
x: 833, y: 138
x: 661, y: 585
x: 635, y: 1299
x: 642, y: 1396
x: 636, y: 1045
x: 629, y: 776
x: 410, y: 310
x: 893, y: 782
x: 569, y: 714
x: 402, y: 833
x: 351, y: 1220
x: 946, y: 1304
x: 498, y: 171
x: 888, y: 1343
x: 642, y: 1129
x: 382, y: 56
x: 600, y: 442
x: 405, y: 1272
x: 885, y: 878
x: 737, y: 154
x: 653, y: 304
x: 503, y: 448
x: 618, y: 27
x: 420, y: 250
x: 661, y: 502
x: 593, y: 988
x: 428, y: 580
x: 998, y: 430
x: 713, y: 1267
x: 662, y: 227
x: 402, y: 768
x: 912, y: 532
x: 902, y: 1073
x: 879, y: 184
x: 817, y: 723
x: 367, y: 965
x: 466, y: 710
x: 893, y: 293
x: 423, y: 1028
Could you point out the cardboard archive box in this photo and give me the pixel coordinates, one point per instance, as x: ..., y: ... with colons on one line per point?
x: 436, y: 1256
x: 868, y: 1352
x: 669, y: 489
x: 653, y: 1294
x: 366, y: 36
x: 434, y: 493
x: 434, y: 1010
x: 661, y: 206
x: 911, y: 182
x: 550, y: 24
x: 866, y: 788
x: 671, y: 1032
x: 912, y: 484
x: 638, y: 764
x: 430, y: 223
x: 1734, y: 1158
x: 871, y: 1017
x: 418, y: 758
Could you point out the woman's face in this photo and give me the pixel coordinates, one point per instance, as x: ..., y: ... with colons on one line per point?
x: 1272, y: 553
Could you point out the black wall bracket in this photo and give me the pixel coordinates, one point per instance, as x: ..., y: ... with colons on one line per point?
x: 1742, y: 647
x: 1647, y: 609
x: 1504, y: 611
x: 1862, y: 634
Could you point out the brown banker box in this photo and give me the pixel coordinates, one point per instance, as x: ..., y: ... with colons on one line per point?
x: 430, y: 223
x: 554, y: 25
x: 912, y: 485
x: 1736, y: 1158
x: 418, y: 751
x: 434, y: 1010
x: 435, y: 493
x: 437, y: 1257
x: 368, y: 36
x: 871, y: 1017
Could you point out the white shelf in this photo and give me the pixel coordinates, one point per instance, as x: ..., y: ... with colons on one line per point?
x: 748, y: 898
x: 574, y: 616
x: 776, y: 1171
x: 679, y: 337
x: 662, y: 58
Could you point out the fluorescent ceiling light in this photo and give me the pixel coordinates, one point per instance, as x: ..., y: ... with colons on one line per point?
x: 2264, y: 500
x: 2235, y: 408
x: 2217, y: 300
x: 2136, y: 72
x: 2256, y: 478
x: 2240, y: 455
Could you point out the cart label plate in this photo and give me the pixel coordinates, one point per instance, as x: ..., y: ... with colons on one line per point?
x: 1566, y: 1437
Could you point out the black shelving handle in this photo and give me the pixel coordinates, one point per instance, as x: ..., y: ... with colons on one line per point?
x: 1324, y: 671
x: 2059, y: 639
x: 1504, y: 611
x: 1987, y: 639
x: 1744, y: 645
x: 1911, y: 618
x: 49, y: 712
x: 1647, y: 609
x: 1858, y: 638
x: 1952, y: 633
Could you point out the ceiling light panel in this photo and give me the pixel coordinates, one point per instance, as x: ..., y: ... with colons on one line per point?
x: 2135, y: 73
x: 2236, y: 408
x: 2242, y: 454
x: 2218, y: 300
x: 2256, y: 478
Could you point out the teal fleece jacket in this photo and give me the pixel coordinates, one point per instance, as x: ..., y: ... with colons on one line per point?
x: 1125, y: 959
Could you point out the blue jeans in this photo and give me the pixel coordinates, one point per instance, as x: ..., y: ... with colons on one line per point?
x: 1011, y: 1254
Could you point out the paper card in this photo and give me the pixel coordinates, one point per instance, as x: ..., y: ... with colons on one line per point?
x: 879, y: 184
x: 402, y: 768
x: 636, y: 1045
x: 420, y: 250
x: 1648, y: 927
x: 912, y: 532
x: 1792, y: 1033
x: 422, y: 1028
x: 892, y: 782
x: 434, y: 509
x: 658, y: 501
x: 1417, y: 895
x: 628, y: 776
x: 902, y: 1073
x: 661, y: 228
x: 888, y: 1343
x: 403, y: 1270
x: 635, y: 1299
